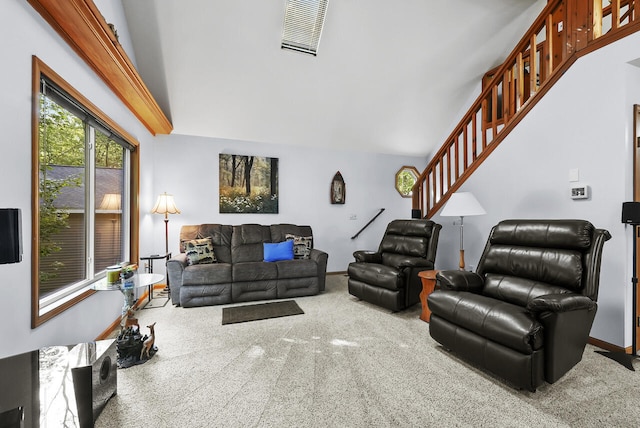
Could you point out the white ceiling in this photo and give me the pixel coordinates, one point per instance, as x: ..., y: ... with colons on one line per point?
x: 390, y: 76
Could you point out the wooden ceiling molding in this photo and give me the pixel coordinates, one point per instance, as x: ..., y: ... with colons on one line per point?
x: 81, y: 24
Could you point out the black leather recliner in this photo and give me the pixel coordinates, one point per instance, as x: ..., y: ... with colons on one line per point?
x: 526, y: 314
x: 389, y: 277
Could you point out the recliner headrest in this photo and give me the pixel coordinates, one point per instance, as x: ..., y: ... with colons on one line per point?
x: 421, y: 228
x: 566, y: 234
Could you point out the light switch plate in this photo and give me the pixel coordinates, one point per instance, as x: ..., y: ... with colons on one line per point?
x: 574, y: 175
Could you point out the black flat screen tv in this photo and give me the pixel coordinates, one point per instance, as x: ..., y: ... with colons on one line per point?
x: 10, y: 235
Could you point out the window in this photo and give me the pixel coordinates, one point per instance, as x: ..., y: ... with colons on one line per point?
x: 303, y: 22
x: 406, y: 177
x: 83, y: 166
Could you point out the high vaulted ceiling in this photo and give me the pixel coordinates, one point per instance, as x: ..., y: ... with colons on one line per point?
x: 390, y: 76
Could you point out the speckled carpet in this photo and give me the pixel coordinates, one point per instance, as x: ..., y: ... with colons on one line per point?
x: 345, y: 363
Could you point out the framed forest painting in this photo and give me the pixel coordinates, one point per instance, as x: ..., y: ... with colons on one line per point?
x: 248, y: 184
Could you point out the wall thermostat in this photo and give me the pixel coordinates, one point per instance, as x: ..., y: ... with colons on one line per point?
x: 579, y: 191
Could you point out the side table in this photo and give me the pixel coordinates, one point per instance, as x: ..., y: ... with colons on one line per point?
x: 141, y: 280
x: 149, y: 269
x: 428, y: 278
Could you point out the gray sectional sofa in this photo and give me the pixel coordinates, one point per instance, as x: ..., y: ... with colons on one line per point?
x: 236, y: 270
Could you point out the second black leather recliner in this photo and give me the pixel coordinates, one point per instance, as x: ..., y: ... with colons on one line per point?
x: 389, y: 277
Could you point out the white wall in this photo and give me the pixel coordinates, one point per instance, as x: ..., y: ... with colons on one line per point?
x: 187, y: 167
x: 25, y: 33
x: 584, y: 122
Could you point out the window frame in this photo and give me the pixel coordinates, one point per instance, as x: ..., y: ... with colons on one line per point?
x: 410, y: 169
x: 39, y: 68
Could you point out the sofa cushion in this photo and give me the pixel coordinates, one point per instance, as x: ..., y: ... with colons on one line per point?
x: 297, y: 269
x: 254, y: 271
x: 280, y: 231
x: 301, y: 245
x: 217, y: 273
x: 274, y: 252
x: 220, y: 235
x: 246, y: 242
x: 254, y: 290
x: 199, y: 251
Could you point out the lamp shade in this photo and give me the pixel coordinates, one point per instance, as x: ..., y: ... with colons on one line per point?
x: 110, y: 202
x: 462, y: 204
x: 165, y: 205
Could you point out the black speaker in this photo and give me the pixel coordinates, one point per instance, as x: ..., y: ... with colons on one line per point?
x: 631, y: 212
x: 416, y: 213
x: 10, y: 235
x: 13, y: 418
x: 95, y: 378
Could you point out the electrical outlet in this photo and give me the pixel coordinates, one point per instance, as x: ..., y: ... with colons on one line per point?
x: 353, y: 217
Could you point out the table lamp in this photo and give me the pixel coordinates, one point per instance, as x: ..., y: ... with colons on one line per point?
x: 165, y: 205
x: 462, y: 204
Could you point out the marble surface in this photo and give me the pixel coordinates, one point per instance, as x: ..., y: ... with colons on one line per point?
x: 58, y: 386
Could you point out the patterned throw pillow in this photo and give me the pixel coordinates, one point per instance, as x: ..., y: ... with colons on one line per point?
x: 301, y: 245
x: 199, y: 251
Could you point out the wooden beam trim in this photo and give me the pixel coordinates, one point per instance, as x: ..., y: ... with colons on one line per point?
x: 81, y: 25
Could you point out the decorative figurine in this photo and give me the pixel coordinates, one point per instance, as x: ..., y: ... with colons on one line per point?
x: 130, y: 320
x: 134, y: 348
x: 147, y: 344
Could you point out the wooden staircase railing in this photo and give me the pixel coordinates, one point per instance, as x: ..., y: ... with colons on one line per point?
x: 564, y: 31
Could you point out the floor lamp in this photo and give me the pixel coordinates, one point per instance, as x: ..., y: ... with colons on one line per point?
x: 165, y: 205
x: 462, y: 204
x: 630, y: 216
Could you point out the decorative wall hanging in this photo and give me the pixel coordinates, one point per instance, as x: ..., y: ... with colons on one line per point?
x: 338, y: 189
x: 248, y: 184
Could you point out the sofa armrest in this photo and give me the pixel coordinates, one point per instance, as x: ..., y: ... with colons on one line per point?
x: 175, y: 267
x: 367, y: 256
x: 560, y: 303
x: 320, y: 257
x: 459, y: 280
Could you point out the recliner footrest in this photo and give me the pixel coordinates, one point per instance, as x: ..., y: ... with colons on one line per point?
x: 510, y: 325
x: 377, y: 275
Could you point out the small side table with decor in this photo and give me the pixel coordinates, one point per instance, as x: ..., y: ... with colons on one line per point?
x: 138, y: 281
x: 148, y: 267
x: 428, y: 278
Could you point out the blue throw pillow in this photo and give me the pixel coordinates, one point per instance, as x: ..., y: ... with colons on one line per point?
x: 279, y: 251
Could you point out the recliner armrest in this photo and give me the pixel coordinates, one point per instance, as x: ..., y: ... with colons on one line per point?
x: 459, y: 280
x: 367, y: 256
x: 560, y: 303
x: 414, y: 262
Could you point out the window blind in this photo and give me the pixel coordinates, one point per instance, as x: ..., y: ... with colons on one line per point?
x: 303, y: 22
x: 53, y: 91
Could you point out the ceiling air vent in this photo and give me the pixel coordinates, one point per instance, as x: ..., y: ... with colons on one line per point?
x: 303, y: 20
